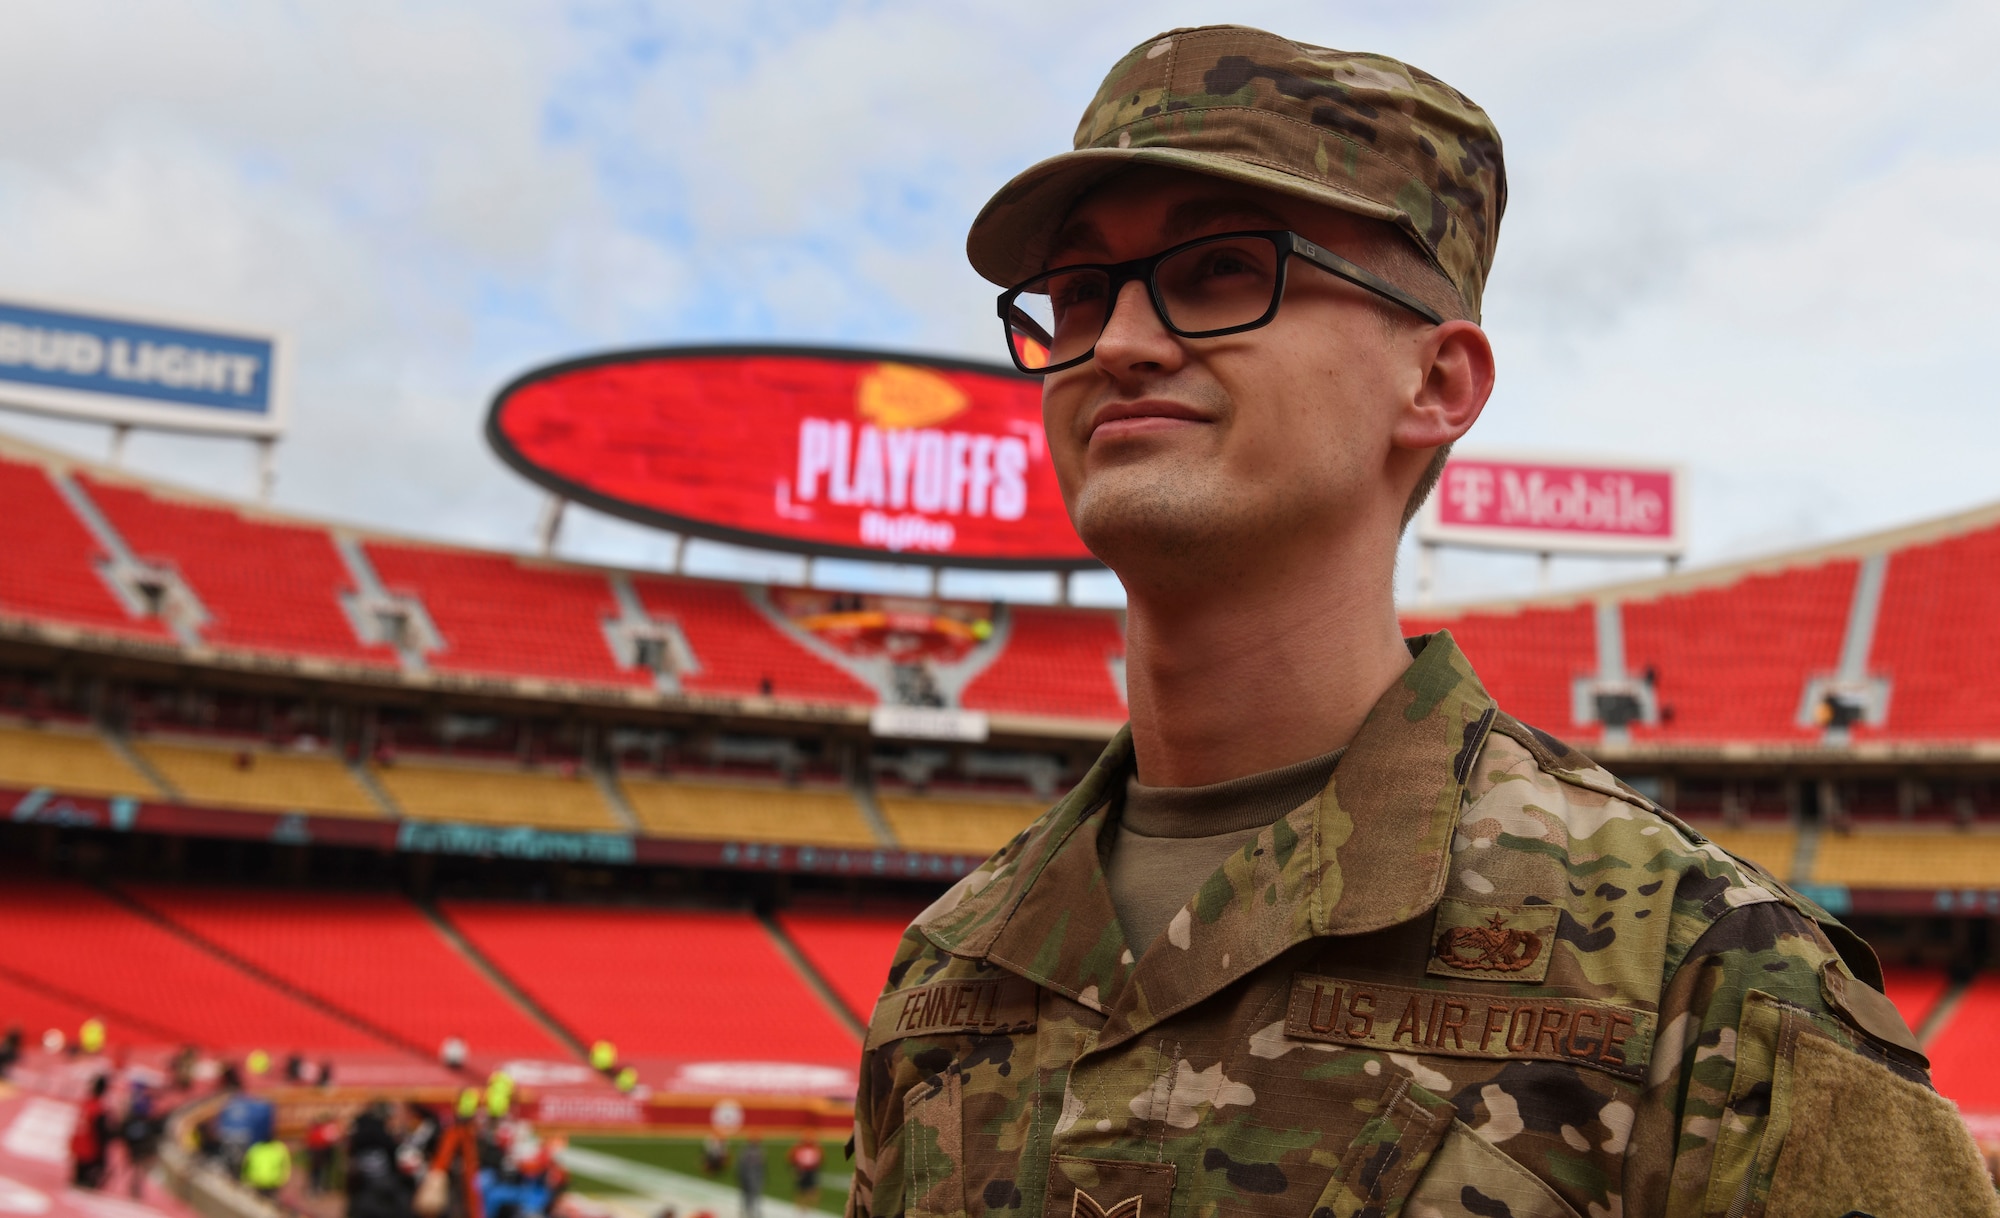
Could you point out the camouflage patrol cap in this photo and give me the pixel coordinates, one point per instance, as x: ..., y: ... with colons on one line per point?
x: 1362, y: 133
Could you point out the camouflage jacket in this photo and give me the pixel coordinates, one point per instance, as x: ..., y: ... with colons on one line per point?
x: 1476, y: 976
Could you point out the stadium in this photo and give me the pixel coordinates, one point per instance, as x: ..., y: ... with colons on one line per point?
x: 279, y: 786
x: 366, y: 855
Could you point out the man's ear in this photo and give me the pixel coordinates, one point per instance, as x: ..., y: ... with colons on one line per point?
x: 1457, y: 365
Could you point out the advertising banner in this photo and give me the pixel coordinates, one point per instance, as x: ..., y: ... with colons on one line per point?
x: 834, y: 452
x: 149, y: 374
x: 1557, y: 504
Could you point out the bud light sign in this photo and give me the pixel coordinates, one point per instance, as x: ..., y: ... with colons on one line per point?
x: 120, y: 370
x: 1556, y: 505
x: 855, y: 453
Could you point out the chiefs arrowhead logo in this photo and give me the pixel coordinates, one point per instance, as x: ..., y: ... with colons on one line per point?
x: 1494, y: 947
x: 1083, y: 1205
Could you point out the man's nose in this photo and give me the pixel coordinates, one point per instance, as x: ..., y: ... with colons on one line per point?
x: 1134, y: 333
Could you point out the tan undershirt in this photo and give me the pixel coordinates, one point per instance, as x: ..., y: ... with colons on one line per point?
x: 1171, y: 839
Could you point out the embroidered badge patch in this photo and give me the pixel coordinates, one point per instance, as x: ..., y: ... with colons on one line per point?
x: 1476, y: 942
x: 986, y: 1006
x: 1399, y: 1019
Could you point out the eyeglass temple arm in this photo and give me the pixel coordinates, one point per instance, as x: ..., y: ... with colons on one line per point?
x: 1361, y: 277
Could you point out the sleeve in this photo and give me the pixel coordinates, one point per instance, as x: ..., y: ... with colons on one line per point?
x: 861, y: 1147
x: 1781, y: 1084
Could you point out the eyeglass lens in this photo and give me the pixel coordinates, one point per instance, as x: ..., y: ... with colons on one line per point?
x: 1211, y: 285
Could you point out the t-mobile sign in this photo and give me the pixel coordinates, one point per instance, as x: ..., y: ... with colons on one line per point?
x: 1525, y: 503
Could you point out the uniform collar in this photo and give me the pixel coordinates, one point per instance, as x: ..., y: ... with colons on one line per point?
x: 1371, y: 851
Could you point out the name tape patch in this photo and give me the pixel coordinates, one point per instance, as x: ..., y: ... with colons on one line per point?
x: 1398, y: 1019
x: 988, y: 1007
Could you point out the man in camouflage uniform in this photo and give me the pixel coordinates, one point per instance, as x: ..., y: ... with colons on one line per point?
x: 1473, y: 974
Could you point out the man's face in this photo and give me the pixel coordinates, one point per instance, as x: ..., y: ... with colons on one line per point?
x: 1208, y: 453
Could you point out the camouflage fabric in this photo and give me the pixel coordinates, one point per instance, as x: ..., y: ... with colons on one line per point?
x: 1363, y: 133
x: 1475, y: 976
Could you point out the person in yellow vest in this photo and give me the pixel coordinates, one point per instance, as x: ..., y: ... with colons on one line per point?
x: 627, y: 1079
x: 90, y: 1037
x: 499, y: 1094
x: 603, y: 1056
x: 267, y: 1165
x: 468, y: 1103
x: 258, y: 1063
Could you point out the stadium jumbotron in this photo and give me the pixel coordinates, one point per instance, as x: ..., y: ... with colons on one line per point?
x: 332, y: 798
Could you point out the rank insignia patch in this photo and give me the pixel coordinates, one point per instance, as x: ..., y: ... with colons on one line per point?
x: 1108, y: 1188
x: 1492, y: 942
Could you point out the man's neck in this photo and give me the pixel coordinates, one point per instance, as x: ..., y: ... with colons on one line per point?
x: 1232, y: 680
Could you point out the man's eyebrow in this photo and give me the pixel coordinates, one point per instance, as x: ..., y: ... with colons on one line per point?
x: 1076, y: 237
x: 1183, y: 220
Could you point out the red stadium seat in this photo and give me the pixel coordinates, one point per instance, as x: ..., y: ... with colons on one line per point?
x: 1056, y: 662
x: 851, y: 951
x: 1940, y: 604
x: 46, y: 558
x: 1733, y: 660
x: 682, y: 985
x: 163, y: 988
x: 502, y: 616
x: 269, y: 585
x: 1964, y: 1067
x: 1914, y: 991
x: 1527, y: 660
x: 370, y: 955
x: 739, y: 649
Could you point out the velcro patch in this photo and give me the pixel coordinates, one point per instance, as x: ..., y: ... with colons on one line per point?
x: 987, y: 1006
x: 1454, y: 1023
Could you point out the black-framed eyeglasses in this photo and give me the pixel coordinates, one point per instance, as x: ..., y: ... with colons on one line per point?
x: 1217, y: 285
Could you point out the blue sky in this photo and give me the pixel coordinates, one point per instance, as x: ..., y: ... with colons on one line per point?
x: 1752, y: 239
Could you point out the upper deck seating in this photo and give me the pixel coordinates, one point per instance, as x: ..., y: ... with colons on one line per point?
x: 1056, y: 662
x: 258, y: 778
x: 505, y: 616
x: 46, y: 558
x: 1732, y: 661
x: 739, y: 650
x: 70, y: 760
x: 267, y: 585
x: 1526, y: 659
x: 68, y: 936
x: 368, y: 954
x: 956, y: 823
x: 1872, y: 857
x: 492, y: 795
x: 678, y: 984
x: 852, y: 951
x: 746, y: 812
x: 1940, y: 602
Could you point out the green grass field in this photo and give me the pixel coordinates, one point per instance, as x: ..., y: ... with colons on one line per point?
x: 683, y: 1155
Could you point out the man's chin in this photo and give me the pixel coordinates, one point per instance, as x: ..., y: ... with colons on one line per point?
x: 1134, y: 527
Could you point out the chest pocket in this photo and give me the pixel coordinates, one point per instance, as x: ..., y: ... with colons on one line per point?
x: 934, y: 1147
x: 1416, y: 1157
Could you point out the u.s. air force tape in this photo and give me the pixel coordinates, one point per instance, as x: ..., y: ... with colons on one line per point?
x: 985, y: 1006
x: 1457, y: 1023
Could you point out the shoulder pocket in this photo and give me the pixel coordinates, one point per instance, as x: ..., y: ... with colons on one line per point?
x: 933, y: 1136
x: 1815, y: 1128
